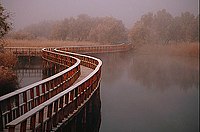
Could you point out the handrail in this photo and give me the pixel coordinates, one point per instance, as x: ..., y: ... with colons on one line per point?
x: 34, y: 94
x: 73, y: 98
x: 81, y: 48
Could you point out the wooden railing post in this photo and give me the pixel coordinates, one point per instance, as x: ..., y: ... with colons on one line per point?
x: 23, y: 126
x: 11, y: 129
x: 33, y: 122
x: 25, y: 102
x: 41, y: 118
x: 1, y: 118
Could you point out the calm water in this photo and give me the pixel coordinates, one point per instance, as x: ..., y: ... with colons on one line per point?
x: 145, y: 93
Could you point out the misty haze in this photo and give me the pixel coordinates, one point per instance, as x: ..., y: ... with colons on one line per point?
x: 99, y: 65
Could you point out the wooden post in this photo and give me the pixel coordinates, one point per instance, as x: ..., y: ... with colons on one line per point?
x: 61, y: 115
x: 49, y: 114
x: 43, y: 91
x: 33, y: 121
x: 17, y: 105
x: 23, y: 126
x: 38, y: 94
x: 32, y: 97
x: 55, y: 119
x: 10, y: 110
x: 1, y: 117
x: 25, y: 102
x: 11, y: 129
x: 41, y: 117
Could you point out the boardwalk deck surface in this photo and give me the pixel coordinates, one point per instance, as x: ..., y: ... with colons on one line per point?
x: 84, y: 72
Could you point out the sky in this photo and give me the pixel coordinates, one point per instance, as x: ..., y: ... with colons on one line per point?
x: 26, y: 12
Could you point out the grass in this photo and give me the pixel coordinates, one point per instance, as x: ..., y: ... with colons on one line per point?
x: 44, y: 43
x: 180, y: 49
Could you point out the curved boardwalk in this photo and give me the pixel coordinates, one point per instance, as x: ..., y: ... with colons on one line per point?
x: 47, y: 104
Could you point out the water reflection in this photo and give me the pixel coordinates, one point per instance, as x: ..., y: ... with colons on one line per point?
x: 163, y: 72
x: 160, y: 72
x: 29, y: 70
x: 149, y: 93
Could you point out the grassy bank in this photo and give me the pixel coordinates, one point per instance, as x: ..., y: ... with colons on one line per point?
x: 44, y: 43
x: 180, y: 49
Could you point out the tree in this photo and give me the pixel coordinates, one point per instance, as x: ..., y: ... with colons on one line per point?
x: 162, y: 27
x: 5, y: 26
x: 189, y: 26
x: 162, y: 22
x: 109, y: 30
x: 138, y: 34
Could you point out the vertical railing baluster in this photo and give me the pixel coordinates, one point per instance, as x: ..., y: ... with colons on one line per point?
x: 23, y: 126
x: 24, y: 102
x: 33, y: 122
x: 61, y: 117
x: 49, y: 114
x: 43, y: 92
x: 9, y: 109
x: 32, y: 97
x: 17, y: 105
x: 38, y: 94
x: 55, y: 119
x: 1, y: 117
x: 41, y: 118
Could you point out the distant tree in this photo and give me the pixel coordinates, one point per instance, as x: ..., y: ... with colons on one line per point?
x: 82, y: 28
x: 138, y: 34
x: 142, y: 32
x: 40, y: 30
x: 162, y: 27
x: 84, y: 24
x: 162, y: 21
x: 58, y: 32
x: 189, y: 26
x: 109, y: 30
x: 5, y: 26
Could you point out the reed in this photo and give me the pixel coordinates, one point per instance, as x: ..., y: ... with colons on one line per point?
x: 45, y: 43
x: 179, y: 49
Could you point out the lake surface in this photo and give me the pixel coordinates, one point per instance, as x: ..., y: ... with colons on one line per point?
x: 145, y: 93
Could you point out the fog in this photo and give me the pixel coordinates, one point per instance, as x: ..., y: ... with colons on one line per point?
x: 26, y: 12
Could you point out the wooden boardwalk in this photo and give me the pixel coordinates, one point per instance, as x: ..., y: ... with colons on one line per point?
x: 46, y: 105
x: 85, y: 71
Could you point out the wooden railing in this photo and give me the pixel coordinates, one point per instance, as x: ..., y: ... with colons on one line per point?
x: 63, y: 105
x: 36, y: 51
x: 19, y: 102
x: 25, y: 51
x: 99, y: 48
x: 44, y: 105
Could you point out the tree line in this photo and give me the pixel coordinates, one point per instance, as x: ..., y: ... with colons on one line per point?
x: 160, y: 27
x: 82, y: 28
x: 163, y: 28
